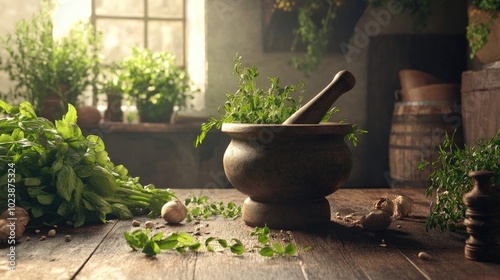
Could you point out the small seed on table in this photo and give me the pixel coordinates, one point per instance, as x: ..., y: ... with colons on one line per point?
x: 51, y: 233
x: 424, y: 256
x: 67, y: 238
x: 43, y: 238
x: 136, y: 223
x: 149, y: 224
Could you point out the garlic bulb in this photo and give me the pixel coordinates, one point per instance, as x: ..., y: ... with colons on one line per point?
x: 403, y: 206
x: 385, y: 204
x: 7, y: 229
x: 174, y: 212
x: 376, y: 220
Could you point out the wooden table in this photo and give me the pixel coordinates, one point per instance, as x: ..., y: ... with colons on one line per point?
x: 340, y: 250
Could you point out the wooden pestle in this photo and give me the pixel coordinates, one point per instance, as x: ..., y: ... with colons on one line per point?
x: 314, y: 110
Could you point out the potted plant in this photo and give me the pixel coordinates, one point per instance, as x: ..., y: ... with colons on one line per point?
x: 483, y: 31
x: 49, y: 72
x: 113, y: 86
x: 285, y: 169
x: 155, y: 83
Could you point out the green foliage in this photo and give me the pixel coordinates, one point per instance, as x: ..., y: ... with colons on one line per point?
x: 268, y: 249
x: 151, y: 246
x: 201, y: 207
x: 250, y: 104
x: 63, y: 175
x: 154, y: 82
x: 315, y: 37
x: 450, y: 182
x: 40, y: 64
x: 479, y: 27
x: 182, y: 242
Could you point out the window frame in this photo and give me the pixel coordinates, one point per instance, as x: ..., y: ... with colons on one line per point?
x: 146, y: 19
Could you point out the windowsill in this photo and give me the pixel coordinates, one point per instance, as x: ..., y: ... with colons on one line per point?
x: 144, y: 127
x: 182, y: 124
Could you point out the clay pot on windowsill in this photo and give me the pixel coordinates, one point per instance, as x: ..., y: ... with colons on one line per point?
x: 287, y: 170
x: 53, y: 104
x: 114, y: 111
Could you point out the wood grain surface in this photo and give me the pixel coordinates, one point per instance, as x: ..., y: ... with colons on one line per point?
x: 340, y: 249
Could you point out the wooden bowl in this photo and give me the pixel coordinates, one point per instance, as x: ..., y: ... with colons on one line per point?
x: 410, y: 79
x: 287, y: 170
x: 436, y: 92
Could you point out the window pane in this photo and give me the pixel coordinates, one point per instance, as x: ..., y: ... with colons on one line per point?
x: 119, y: 36
x: 167, y: 36
x: 120, y: 8
x: 166, y: 8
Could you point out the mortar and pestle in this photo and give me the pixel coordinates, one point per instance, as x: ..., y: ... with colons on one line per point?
x: 287, y: 169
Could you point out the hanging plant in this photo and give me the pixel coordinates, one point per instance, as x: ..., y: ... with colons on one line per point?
x: 482, y: 14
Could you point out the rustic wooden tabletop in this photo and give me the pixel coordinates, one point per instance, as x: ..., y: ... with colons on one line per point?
x: 340, y: 250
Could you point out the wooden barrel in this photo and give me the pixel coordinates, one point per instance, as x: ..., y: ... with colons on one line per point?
x: 418, y: 128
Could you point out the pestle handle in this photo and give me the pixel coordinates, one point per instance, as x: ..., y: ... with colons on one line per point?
x: 314, y: 110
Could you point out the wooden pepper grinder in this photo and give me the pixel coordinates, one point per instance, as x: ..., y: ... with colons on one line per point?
x: 480, y: 218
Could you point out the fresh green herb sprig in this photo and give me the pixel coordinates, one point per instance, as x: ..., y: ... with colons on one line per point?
x: 450, y: 181
x: 62, y: 175
x: 182, y: 242
x: 201, y: 207
x: 250, y: 104
x: 151, y: 246
x: 268, y: 249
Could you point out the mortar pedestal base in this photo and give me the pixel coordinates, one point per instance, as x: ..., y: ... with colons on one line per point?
x: 286, y: 215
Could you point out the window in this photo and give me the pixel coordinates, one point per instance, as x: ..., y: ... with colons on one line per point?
x: 158, y: 25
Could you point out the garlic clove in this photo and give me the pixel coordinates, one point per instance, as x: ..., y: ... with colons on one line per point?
x: 403, y: 206
x: 173, y: 212
x: 376, y: 220
x: 385, y: 204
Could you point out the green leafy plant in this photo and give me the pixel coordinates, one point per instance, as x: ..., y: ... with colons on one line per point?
x: 450, y: 182
x: 201, y: 207
x: 182, y: 242
x: 42, y: 65
x: 62, y: 175
x: 250, y: 104
x: 155, y: 83
x: 481, y: 18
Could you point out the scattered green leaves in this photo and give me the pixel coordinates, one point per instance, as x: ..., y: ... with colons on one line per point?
x: 182, y: 242
x: 201, y: 207
x: 450, y: 181
x: 63, y: 175
x: 268, y: 248
x: 151, y: 246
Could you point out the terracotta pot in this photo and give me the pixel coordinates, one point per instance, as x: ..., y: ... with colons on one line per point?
x: 491, y: 51
x: 54, y: 104
x: 287, y: 170
x: 410, y: 79
x: 435, y: 92
x: 88, y: 115
x: 114, y: 111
